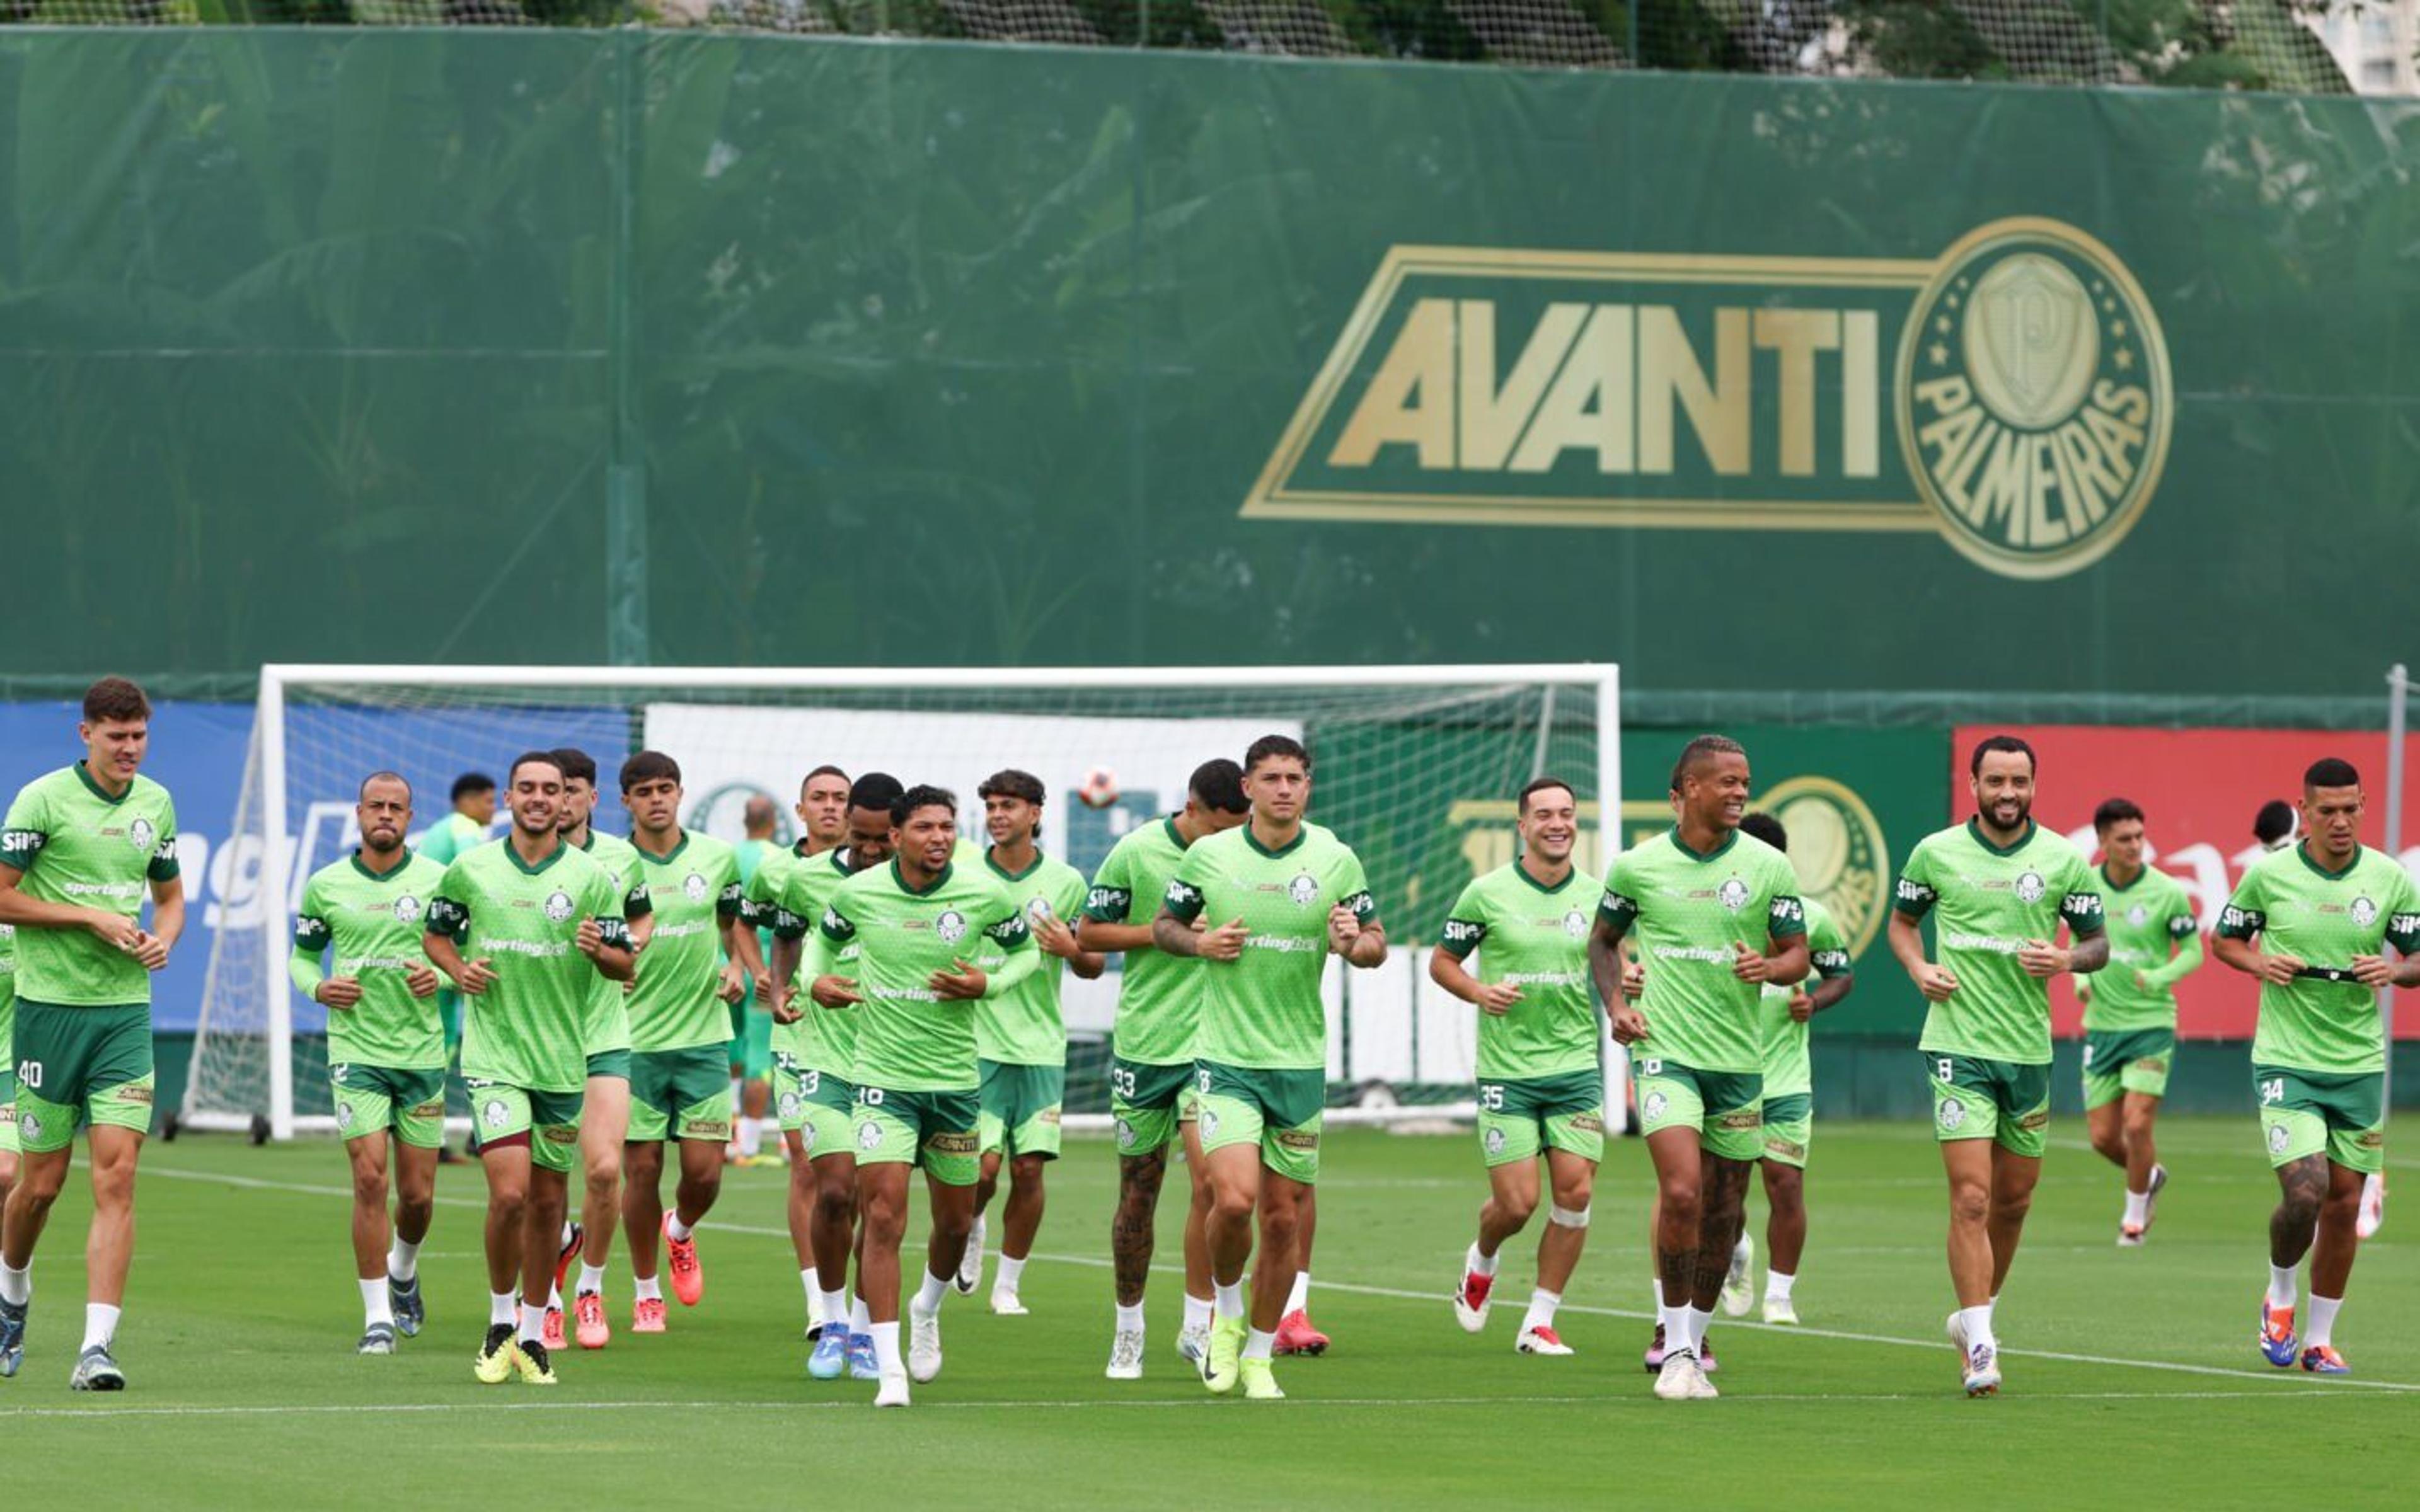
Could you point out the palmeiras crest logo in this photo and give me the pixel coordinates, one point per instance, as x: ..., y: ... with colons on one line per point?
x: 558, y: 906
x: 407, y: 909
x: 1732, y: 894
x: 1303, y: 889
x: 2365, y: 912
x: 2030, y: 888
x: 951, y: 926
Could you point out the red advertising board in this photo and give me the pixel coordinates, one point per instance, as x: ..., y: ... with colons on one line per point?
x: 2199, y: 790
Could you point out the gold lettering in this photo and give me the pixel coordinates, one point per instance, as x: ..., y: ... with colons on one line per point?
x: 1491, y: 417
x: 1795, y: 337
x: 1588, y: 406
x: 1999, y: 493
x: 1669, y: 373
x: 2128, y: 402
x: 1961, y: 418
x: 1420, y: 364
x: 1860, y: 395
x: 2116, y: 438
x: 2087, y: 474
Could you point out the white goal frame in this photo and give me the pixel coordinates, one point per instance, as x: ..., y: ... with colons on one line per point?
x: 278, y: 678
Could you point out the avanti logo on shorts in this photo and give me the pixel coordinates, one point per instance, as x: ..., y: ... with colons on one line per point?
x: 952, y: 1144
x: 1298, y: 1139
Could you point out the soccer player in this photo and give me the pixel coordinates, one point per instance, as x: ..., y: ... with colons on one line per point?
x: 1789, y: 1105
x: 1020, y: 1039
x: 679, y: 1092
x: 814, y: 1053
x: 2273, y: 827
x: 2320, y: 914
x: 1151, y: 1067
x: 474, y: 796
x: 915, y: 922
x: 1278, y: 895
x: 2129, y: 1009
x: 751, y: 1017
x: 605, y: 1106
x: 823, y: 810
x: 524, y: 926
x: 386, y: 1045
x: 1718, y: 916
x: 1997, y: 888
x: 1541, y: 1081
x: 79, y: 850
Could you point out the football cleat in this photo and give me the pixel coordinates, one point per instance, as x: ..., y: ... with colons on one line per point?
x: 1781, y: 1312
x: 863, y: 1363
x: 588, y: 1312
x: 551, y: 1332
x: 1297, y: 1336
x: 893, y: 1390
x: 1539, y: 1340
x: 495, y: 1365
x: 2277, y: 1337
x: 403, y: 1298
x: 1193, y: 1343
x: 1655, y: 1358
x: 688, y: 1276
x: 536, y: 1368
x: 573, y: 1237
x: 1126, y: 1356
x: 831, y: 1355
x: 1260, y: 1382
x: 1221, y: 1364
x: 2323, y: 1360
x: 1005, y: 1305
x: 970, y: 1263
x: 1470, y: 1303
x: 2373, y: 1206
x: 12, y: 1338
x: 1739, y: 1291
x: 378, y: 1339
x: 96, y: 1371
x: 647, y: 1314
x: 923, y: 1343
x: 2130, y: 1236
x: 1983, y: 1373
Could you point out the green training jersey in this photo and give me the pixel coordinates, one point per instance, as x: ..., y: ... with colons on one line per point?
x: 691, y: 893
x: 375, y: 923
x: 450, y: 836
x: 1690, y: 913
x: 1787, y: 1071
x: 1159, y: 994
x: 909, y: 1038
x: 1264, y: 1011
x: 2324, y: 1020
x: 78, y: 845
x: 2152, y: 932
x: 753, y: 855
x: 823, y: 1038
x: 609, y: 1023
x: 530, y: 1028
x: 1023, y: 1027
x: 1986, y: 902
x: 1536, y: 937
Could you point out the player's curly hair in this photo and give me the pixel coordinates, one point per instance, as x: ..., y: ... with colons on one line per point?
x: 922, y: 795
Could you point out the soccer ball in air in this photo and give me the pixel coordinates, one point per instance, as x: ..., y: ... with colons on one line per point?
x: 1099, y: 788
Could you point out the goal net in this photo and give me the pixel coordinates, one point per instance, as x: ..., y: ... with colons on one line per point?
x: 1415, y: 767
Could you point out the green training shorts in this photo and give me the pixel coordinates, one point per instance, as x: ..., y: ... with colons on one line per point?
x: 1725, y: 1108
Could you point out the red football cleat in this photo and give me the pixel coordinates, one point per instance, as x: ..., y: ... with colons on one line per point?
x: 588, y: 1310
x: 552, y: 1334
x: 689, y: 1277
x: 647, y: 1316
x: 1297, y: 1336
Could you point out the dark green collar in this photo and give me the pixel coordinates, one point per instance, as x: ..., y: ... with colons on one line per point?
x: 2114, y: 886
x: 1175, y: 836
x: 1522, y: 866
x: 93, y: 786
x: 1974, y: 829
x: 1302, y: 832
x: 941, y: 879
x: 387, y: 876
x: 1682, y: 846
x: 512, y: 854
x: 665, y: 860
x: 2302, y: 849
x: 992, y: 861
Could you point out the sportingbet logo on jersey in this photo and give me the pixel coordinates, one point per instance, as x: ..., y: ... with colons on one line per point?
x: 2012, y: 393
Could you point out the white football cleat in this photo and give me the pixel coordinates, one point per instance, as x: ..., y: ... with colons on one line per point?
x: 923, y: 1344
x: 1738, y: 1291
x: 1126, y: 1356
x: 970, y: 1263
x: 1193, y: 1343
x: 1781, y: 1312
x: 1539, y: 1340
x: 1983, y: 1373
x: 1680, y: 1380
x: 893, y: 1392
x: 2373, y: 1206
x: 1470, y: 1299
x: 1005, y: 1304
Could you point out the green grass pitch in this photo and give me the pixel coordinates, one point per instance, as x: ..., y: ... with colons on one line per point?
x: 2131, y: 1374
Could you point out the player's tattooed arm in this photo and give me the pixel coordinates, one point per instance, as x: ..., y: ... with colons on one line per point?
x: 1605, y: 968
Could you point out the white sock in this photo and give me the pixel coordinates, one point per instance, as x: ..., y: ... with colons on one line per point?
x: 1298, y: 1300
x: 1978, y: 1325
x: 1541, y: 1309
x: 1231, y: 1299
x: 1005, y: 1278
x: 1674, y: 1321
x: 16, y: 1286
x: 2138, y: 1208
x: 816, y: 1312
x: 1130, y: 1318
x: 673, y: 1229
x: 2281, y: 1285
x: 1259, y: 1345
x: 646, y: 1288
x: 752, y: 1136
x: 886, y: 1348
x: 502, y: 1308
x: 1477, y: 1264
x: 859, y: 1321
x: 1200, y: 1310
x: 533, y: 1323
x: 2320, y: 1329
x: 929, y: 1295
x: 403, y: 1259
x: 1777, y: 1285
x: 375, y: 1306
x: 1696, y: 1320
x: 100, y: 1325
x: 835, y: 1308
x: 592, y: 1278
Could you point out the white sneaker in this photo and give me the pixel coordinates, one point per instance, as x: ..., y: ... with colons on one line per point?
x: 1006, y: 1304
x: 1126, y: 1356
x: 1739, y: 1292
x: 1541, y: 1339
x: 923, y: 1343
x: 970, y: 1264
x: 1781, y: 1312
x: 1983, y: 1375
x: 1675, y: 1382
x: 2373, y: 1207
x: 1472, y: 1299
x: 1956, y: 1329
x: 893, y: 1392
x: 1193, y: 1343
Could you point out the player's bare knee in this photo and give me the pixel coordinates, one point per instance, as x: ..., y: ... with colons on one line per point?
x: 1785, y: 1188
x: 369, y: 1188
x: 1025, y: 1173
x: 2139, y: 1124
x: 1970, y: 1202
x: 1682, y: 1201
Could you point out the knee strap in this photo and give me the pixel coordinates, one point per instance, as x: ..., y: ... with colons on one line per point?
x: 1567, y: 1217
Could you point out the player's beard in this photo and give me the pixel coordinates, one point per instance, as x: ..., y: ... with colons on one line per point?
x: 2024, y: 811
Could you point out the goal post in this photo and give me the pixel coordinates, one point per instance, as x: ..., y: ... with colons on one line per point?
x: 1416, y: 768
